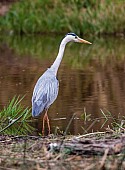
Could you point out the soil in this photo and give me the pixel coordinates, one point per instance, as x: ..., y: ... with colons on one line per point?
x: 99, y: 151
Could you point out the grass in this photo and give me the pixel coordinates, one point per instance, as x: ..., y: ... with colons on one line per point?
x: 109, y: 123
x: 81, y: 17
x: 14, y: 118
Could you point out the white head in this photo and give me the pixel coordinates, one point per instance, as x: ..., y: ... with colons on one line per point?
x: 73, y: 37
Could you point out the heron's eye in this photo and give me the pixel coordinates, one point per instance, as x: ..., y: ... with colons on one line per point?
x: 75, y: 36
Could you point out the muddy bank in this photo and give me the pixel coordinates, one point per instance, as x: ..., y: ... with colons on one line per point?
x: 75, y: 152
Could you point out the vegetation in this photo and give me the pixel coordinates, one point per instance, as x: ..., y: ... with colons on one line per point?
x: 88, y: 17
x: 10, y: 115
x: 110, y: 123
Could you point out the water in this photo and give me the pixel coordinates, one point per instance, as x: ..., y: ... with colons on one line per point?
x: 91, y: 77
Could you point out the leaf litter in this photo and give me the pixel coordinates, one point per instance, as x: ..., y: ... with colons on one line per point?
x: 100, y: 151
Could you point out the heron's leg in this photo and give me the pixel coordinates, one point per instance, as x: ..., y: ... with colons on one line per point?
x: 48, y: 123
x: 47, y: 119
x: 44, y: 118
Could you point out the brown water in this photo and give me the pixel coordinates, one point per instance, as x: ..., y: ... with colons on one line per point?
x: 91, y: 78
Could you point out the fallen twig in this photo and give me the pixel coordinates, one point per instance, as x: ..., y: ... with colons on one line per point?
x: 89, y: 134
x: 104, y: 158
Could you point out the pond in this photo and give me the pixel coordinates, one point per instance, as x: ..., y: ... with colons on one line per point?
x: 91, y: 77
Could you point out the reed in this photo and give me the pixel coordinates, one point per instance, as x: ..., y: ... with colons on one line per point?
x: 82, y: 17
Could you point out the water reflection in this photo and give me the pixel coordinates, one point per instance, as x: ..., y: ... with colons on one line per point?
x: 91, y: 77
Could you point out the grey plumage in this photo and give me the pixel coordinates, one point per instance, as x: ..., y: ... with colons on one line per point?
x: 45, y: 92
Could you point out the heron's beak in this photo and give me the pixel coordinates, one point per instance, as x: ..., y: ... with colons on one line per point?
x: 83, y: 41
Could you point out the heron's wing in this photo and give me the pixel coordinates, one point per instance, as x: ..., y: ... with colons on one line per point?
x: 45, y: 93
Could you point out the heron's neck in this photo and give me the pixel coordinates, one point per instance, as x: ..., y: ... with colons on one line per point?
x: 59, y: 57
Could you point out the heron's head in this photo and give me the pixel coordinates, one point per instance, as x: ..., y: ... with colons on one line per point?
x: 73, y: 37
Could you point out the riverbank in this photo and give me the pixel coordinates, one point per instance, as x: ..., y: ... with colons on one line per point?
x: 100, y: 151
x: 88, y: 17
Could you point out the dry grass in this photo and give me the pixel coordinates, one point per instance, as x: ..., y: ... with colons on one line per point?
x: 32, y: 153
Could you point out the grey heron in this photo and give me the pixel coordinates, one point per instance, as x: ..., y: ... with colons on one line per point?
x: 46, y: 89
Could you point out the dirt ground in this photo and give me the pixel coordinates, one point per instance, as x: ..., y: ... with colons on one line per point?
x: 102, y: 151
